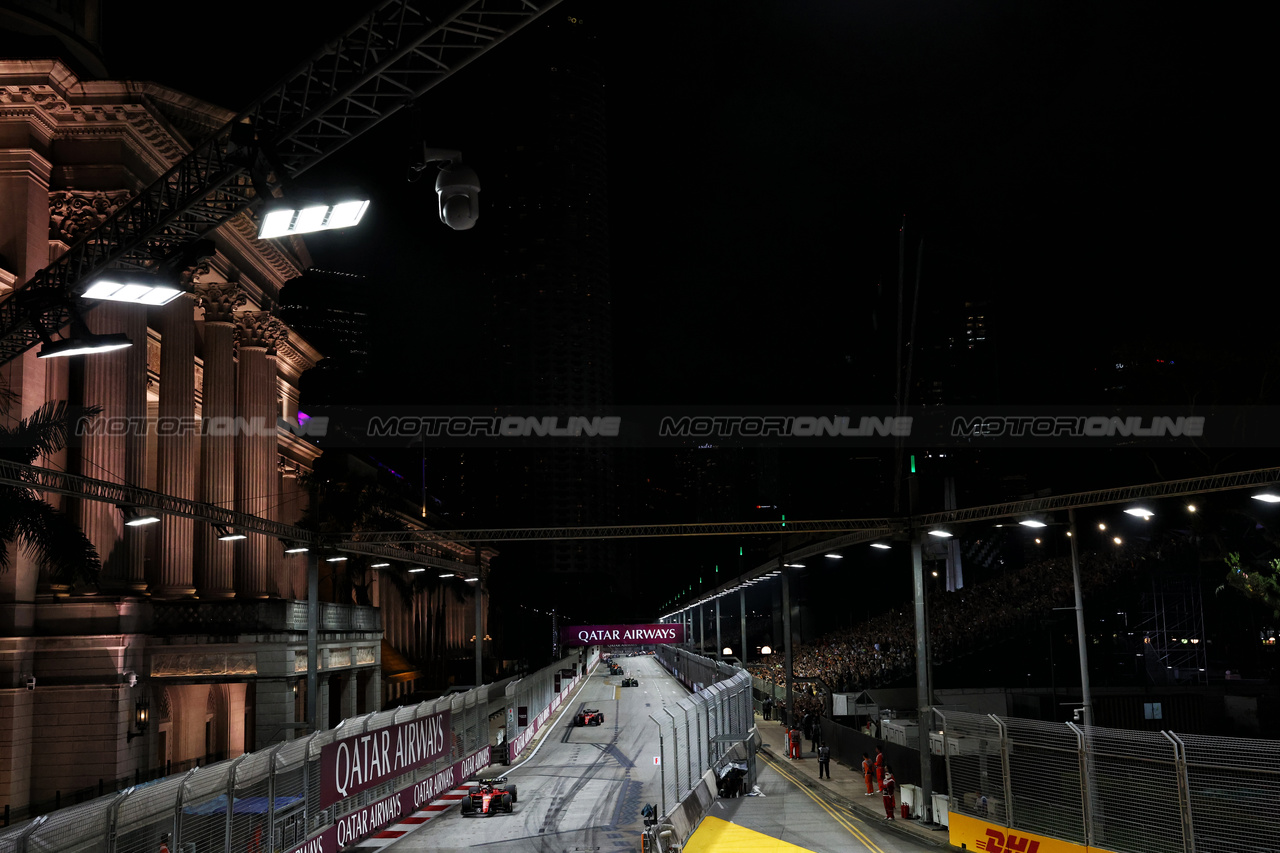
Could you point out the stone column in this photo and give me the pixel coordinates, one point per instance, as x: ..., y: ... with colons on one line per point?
x: 134, y: 566
x: 171, y: 576
x: 257, y: 477
x: 103, y: 455
x: 215, y: 576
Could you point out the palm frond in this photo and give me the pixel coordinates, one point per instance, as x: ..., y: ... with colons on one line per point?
x: 45, y: 431
x: 52, y: 538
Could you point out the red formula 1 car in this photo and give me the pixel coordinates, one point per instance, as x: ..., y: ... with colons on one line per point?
x: 492, y: 796
x: 588, y: 717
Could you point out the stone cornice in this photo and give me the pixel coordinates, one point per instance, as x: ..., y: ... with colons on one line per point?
x: 269, y: 263
x: 58, y: 117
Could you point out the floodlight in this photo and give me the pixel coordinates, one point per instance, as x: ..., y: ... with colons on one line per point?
x: 226, y: 534
x: 1268, y: 497
x: 335, y: 559
x: 135, y: 517
x: 139, y: 288
x: 80, y: 341
x: 1140, y: 512
x: 941, y: 534
x: 282, y: 218
x: 881, y: 546
x: 1031, y: 522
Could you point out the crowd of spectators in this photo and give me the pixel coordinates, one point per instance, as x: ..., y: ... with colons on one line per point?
x: 882, y: 650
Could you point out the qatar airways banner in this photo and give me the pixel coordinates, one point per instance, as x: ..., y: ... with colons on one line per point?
x: 359, y: 824
x: 621, y: 635
x: 357, y: 763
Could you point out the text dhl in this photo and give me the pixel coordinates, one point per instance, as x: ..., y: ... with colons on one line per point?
x: 997, y: 842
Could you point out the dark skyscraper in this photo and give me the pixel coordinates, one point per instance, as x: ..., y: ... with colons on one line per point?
x: 545, y: 266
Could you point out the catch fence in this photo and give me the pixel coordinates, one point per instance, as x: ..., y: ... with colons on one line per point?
x: 265, y: 800
x: 1114, y: 789
x: 696, y: 734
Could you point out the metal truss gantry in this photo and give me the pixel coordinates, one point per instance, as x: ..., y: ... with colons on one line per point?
x: 386, y: 61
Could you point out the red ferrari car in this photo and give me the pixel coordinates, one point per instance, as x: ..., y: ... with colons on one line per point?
x: 492, y: 796
x: 588, y: 717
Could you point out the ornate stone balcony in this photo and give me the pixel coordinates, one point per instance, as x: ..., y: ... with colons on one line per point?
x: 223, y: 618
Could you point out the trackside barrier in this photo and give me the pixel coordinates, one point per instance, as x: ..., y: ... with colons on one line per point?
x: 317, y: 794
x: 535, y: 698
x: 1016, y: 782
x: 708, y: 729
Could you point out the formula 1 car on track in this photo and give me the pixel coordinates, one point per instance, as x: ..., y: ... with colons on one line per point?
x: 588, y: 717
x: 492, y: 796
x: 630, y: 682
x: 614, y: 669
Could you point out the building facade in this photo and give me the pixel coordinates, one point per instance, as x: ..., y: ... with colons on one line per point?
x: 188, y: 648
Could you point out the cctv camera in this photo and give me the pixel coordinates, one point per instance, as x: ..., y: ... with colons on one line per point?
x: 459, y: 191
x: 131, y: 678
x: 31, y: 682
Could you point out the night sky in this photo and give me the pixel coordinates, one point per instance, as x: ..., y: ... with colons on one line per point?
x: 1094, y: 172
x: 1084, y: 167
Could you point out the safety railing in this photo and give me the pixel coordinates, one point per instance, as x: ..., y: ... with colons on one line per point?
x: 697, y: 732
x: 1113, y: 789
x: 274, y: 799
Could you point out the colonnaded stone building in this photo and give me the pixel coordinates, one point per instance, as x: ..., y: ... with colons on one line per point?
x: 207, y: 636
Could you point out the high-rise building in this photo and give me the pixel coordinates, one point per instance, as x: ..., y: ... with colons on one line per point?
x: 546, y: 267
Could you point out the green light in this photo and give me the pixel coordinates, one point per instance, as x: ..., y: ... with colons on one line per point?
x: 913, y: 463
x: 739, y: 550
x: 717, y: 569
x: 784, y: 521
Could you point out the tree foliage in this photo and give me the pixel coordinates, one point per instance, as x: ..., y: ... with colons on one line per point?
x: 51, y: 537
x: 1258, y: 580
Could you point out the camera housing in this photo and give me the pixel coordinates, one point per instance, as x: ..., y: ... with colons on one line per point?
x: 458, y: 188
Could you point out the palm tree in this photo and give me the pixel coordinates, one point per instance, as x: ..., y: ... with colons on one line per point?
x: 50, y: 536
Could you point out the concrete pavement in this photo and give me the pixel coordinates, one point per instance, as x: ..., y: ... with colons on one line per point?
x: 845, y: 788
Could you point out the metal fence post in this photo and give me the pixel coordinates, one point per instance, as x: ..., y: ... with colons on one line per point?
x: 1005, y: 774
x: 113, y: 818
x: 688, y: 747
x: 26, y: 833
x: 231, y: 796
x: 675, y: 749
x: 662, y: 768
x: 1184, y: 792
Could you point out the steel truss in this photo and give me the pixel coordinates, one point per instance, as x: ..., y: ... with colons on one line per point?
x: 385, y: 62
x: 382, y: 543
